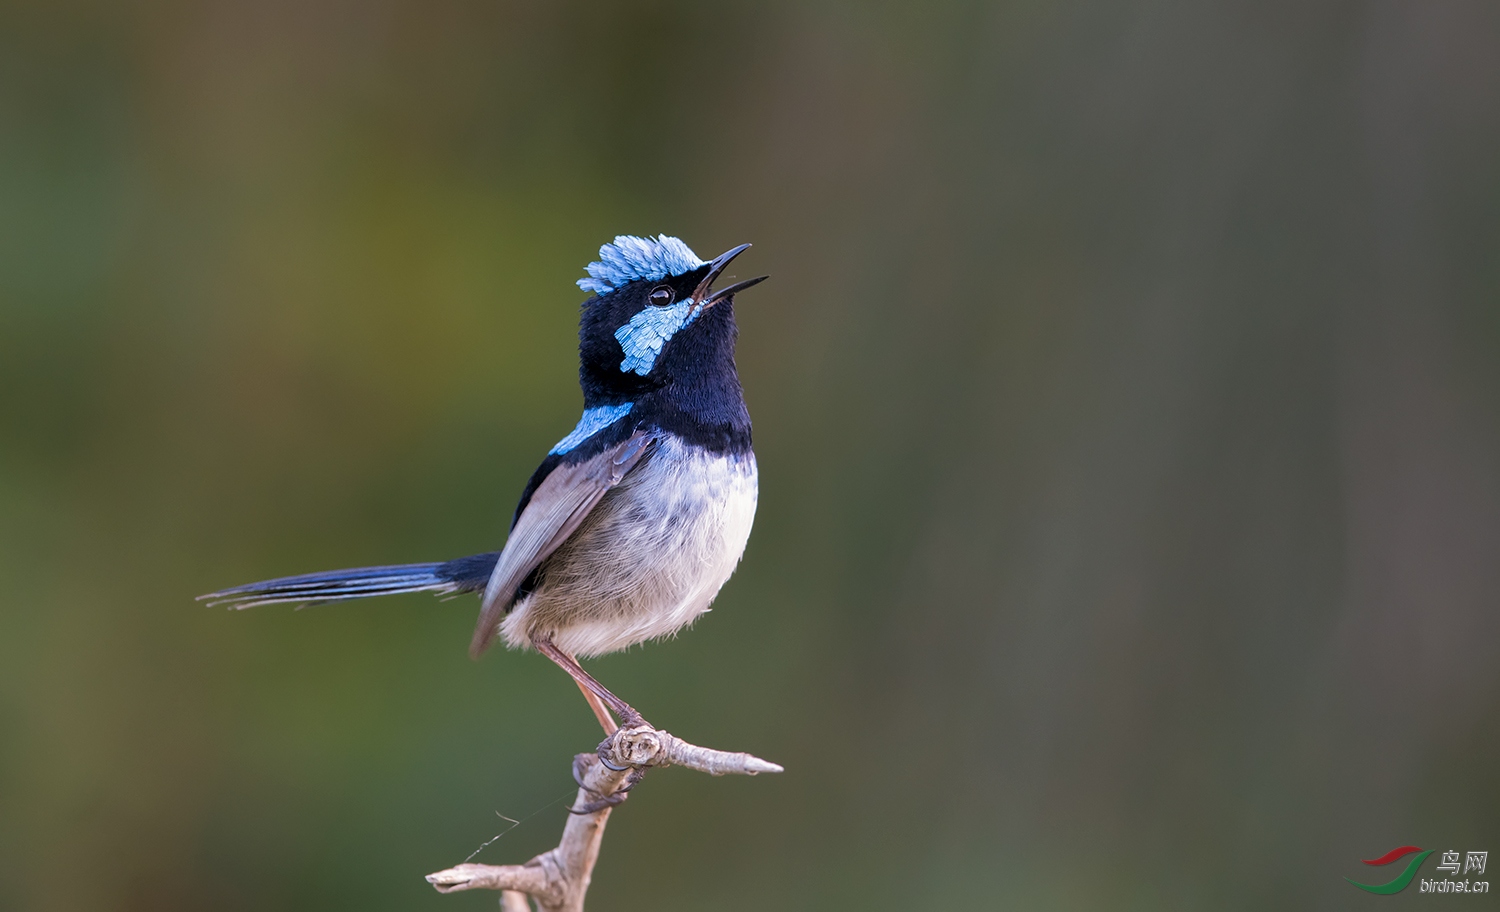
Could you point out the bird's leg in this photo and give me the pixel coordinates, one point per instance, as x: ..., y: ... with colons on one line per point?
x: 606, y: 721
x: 629, y: 718
x: 598, y: 697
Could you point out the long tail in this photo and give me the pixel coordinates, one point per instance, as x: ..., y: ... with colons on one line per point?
x: 466, y: 574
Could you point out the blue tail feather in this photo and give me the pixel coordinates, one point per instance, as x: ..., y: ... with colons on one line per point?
x: 465, y: 574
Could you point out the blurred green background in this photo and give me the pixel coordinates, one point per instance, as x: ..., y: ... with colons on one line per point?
x: 1127, y: 402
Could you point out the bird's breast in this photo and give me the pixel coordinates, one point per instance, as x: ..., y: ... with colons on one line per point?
x: 650, y: 557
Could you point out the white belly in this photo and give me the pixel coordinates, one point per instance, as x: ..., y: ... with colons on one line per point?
x: 648, y: 560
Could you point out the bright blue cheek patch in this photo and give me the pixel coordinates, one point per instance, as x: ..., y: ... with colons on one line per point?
x: 593, y: 421
x: 643, y: 337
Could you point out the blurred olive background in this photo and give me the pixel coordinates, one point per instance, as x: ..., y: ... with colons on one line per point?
x: 1126, y: 398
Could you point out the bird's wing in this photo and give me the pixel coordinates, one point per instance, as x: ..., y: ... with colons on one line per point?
x: 553, y: 513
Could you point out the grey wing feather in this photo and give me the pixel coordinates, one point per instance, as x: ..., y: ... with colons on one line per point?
x: 555, y: 511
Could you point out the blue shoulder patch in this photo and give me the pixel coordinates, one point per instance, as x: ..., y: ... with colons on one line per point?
x: 631, y: 258
x: 593, y: 421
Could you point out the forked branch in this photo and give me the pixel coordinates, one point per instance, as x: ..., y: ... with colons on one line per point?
x: 559, y: 878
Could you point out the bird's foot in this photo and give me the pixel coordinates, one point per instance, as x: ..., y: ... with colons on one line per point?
x: 603, y: 801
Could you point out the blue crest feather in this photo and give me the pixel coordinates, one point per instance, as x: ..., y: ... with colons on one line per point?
x: 629, y: 259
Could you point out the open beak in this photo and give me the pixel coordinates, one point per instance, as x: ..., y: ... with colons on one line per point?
x: 703, y: 298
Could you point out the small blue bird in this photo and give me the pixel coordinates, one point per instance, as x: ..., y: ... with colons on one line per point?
x: 633, y: 521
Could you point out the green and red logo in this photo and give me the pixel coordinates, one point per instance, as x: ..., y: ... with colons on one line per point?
x: 1404, y: 878
x: 1449, y: 867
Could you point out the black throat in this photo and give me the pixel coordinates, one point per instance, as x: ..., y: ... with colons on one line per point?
x: 699, y: 397
x: 692, y: 390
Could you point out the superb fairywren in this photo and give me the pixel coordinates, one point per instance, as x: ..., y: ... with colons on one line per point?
x: 633, y: 521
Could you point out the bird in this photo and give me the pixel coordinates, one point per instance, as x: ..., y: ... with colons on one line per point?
x: 632, y: 522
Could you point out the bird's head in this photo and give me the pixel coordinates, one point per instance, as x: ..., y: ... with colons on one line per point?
x: 655, y: 317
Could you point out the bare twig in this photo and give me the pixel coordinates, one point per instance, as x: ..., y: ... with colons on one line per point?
x: 514, y: 901
x: 559, y: 878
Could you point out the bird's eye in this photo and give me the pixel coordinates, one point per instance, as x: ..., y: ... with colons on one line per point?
x: 661, y: 296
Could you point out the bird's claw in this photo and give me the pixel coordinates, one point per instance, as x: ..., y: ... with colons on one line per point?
x: 603, y: 801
